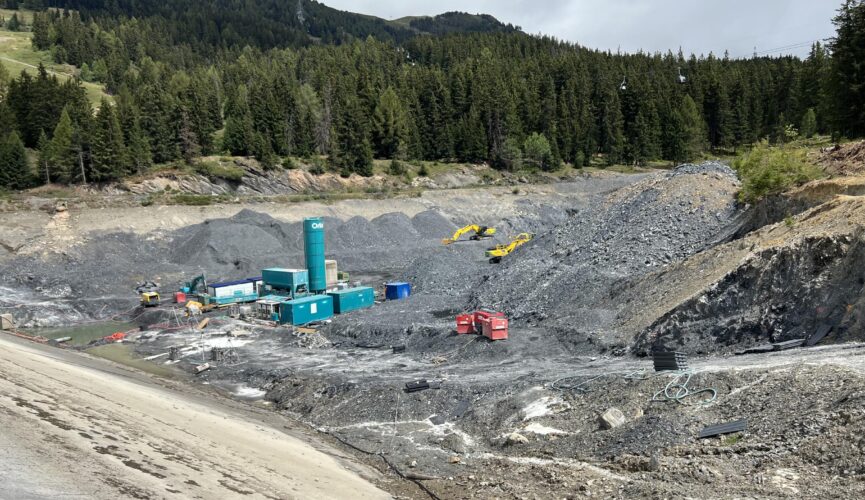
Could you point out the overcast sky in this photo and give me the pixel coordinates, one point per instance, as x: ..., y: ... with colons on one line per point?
x: 698, y: 26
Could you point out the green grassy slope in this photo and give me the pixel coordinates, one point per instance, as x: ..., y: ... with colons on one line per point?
x: 17, y: 54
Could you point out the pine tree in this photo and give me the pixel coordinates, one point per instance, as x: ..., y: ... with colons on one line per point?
x: 4, y: 81
x: 611, y: 126
x: 14, y: 171
x: 390, y: 126
x: 355, y: 150
x: 688, y: 131
x: 138, y: 149
x: 44, y: 161
x: 64, y: 150
x: 847, y: 80
x: 808, y: 126
x: 108, y: 151
x: 41, y: 29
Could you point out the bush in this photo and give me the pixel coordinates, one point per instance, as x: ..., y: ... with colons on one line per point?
x: 289, y: 163
x: 215, y: 170
x: 767, y: 170
x: 396, y: 168
x: 317, y: 169
x: 423, y: 172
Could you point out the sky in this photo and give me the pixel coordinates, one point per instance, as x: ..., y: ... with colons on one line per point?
x: 697, y: 26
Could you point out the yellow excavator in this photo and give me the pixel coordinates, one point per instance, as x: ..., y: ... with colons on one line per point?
x: 480, y: 232
x: 496, y: 253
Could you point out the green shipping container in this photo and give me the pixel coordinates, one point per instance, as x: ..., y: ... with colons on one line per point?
x: 352, y: 299
x: 306, y: 310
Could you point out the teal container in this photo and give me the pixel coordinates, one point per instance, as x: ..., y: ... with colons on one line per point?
x: 352, y: 299
x: 306, y: 310
x: 313, y: 244
x: 287, y: 280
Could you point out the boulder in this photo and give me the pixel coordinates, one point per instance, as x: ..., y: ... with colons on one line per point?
x: 612, y: 418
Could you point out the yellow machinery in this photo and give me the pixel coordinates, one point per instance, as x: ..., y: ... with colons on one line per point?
x: 497, y: 252
x: 480, y: 232
x: 150, y: 299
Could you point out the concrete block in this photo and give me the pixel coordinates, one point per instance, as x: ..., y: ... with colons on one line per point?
x: 612, y: 418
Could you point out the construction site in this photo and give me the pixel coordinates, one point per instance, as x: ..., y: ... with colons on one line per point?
x: 611, y: 335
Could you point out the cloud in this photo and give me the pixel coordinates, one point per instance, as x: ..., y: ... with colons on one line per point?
x: 698, y: 26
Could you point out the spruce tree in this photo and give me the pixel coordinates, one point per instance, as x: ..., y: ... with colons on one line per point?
x: 44, y: 161
x: 355, y: 150
x: 107, y: 148
x: 64, y: 150
x: 847, y: 82
x: 138, y: 149
x: 688, y: 131
x: 389, y: 125
x: 14, y: 171
x: 808, y: 126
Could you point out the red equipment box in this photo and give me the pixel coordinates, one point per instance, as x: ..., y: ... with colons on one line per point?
x: 179, y: 297
x: 465, y: 324
x: 495, y: 328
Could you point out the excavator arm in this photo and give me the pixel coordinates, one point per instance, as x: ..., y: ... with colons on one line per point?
x: 496, y: 253
x: 480, y: 232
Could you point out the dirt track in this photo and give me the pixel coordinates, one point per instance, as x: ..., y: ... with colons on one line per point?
x: 76, y: 426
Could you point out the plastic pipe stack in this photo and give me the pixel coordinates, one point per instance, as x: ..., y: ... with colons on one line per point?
x: 313, y: 243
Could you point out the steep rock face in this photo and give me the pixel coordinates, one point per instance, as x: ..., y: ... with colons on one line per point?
x: 779, y: 283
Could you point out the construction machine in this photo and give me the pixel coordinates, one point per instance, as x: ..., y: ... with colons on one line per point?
x: 496, y: 253
x: 150, y: 299
x: 480, y: 232
x: 191, y: 287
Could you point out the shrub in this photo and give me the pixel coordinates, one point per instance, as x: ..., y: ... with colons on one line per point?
x: 767, y: 170
x: 317, y: 169
x: 215, y: 170
x: 423, y: 172
x: 396, y: 168
x: 289, y: 163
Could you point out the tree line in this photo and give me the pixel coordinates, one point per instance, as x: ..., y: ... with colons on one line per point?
x: 501, y: 97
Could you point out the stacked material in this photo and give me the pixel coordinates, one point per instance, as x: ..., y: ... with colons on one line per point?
x: 670, y: 361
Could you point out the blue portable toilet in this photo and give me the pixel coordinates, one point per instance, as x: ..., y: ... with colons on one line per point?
x: 397, y: 291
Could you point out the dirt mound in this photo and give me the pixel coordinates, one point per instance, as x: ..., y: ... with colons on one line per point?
x: 844, y: 159
x: 562, y: 277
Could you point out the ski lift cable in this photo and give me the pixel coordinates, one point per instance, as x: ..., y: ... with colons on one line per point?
x: 788, y: 47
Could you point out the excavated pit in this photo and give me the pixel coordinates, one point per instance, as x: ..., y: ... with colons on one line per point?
x: 616, y: 268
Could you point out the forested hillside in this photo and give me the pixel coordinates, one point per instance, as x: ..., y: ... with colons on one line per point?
x: 192, y: 78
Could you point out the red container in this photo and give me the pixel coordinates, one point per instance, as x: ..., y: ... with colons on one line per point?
x: 179, y: 297
x: 465, y: 324
x: 495, y: 328
x: 481, y: 316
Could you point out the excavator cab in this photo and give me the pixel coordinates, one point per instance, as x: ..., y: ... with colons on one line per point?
x: 480, y: 232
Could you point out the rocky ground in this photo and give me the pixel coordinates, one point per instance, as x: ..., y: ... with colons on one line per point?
x: 620, y: 265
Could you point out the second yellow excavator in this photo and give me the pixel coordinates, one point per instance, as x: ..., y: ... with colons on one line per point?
x: 480, y: 232
x: 496, y: 253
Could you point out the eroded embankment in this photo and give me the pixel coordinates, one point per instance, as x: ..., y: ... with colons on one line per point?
x: 778, y: 283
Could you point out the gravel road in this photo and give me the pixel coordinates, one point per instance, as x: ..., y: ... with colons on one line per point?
x: 76, y: 426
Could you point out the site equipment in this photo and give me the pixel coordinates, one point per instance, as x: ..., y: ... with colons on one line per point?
x: 233, y: 292
x: 313, y: 238
x: 292, y: 283
x: 150, y: 299
x: 180, y: 297
x: 352, y: 299
x: 491, y: 324
x: 306, y: 310
x: 397, y: 291
x: 191, y: 287
x: 496, y: 253
x: 480, y: 232
x: 465, y: 324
